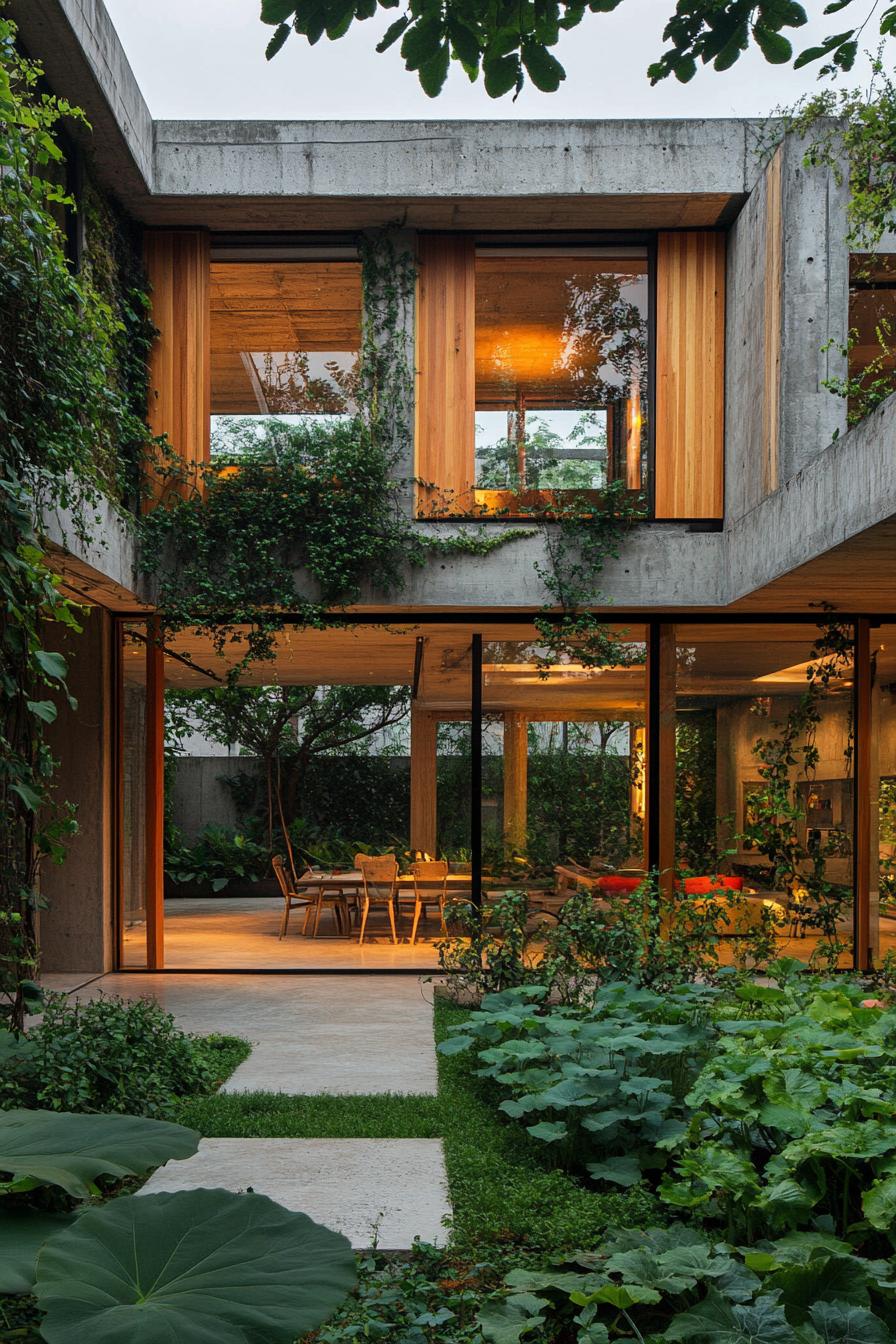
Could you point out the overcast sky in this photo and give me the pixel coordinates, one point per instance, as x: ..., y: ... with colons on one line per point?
x: 205, y: 58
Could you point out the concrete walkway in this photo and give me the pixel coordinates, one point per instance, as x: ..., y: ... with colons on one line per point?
x: 314, y: 1035
x: 343, y: 1034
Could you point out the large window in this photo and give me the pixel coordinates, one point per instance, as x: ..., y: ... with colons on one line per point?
x: 285, y: 337
x: 561, y: 371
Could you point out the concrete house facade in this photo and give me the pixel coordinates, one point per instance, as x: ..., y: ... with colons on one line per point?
x: 652, y: 303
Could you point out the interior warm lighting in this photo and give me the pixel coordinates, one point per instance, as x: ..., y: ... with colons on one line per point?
x: 799, y: 672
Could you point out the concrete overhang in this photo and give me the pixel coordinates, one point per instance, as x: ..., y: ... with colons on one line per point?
x: 325, y: 175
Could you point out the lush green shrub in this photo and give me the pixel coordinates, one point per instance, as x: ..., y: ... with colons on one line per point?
x: 217, y: 857
x: 111, y: 1054
x: 603, y: 1088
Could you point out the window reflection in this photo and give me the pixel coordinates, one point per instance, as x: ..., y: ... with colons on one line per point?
x: 561, y: 371
x: 285, y: 339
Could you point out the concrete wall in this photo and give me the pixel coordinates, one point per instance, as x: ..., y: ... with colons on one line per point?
x: 76, y: 931
x: 816, y: 309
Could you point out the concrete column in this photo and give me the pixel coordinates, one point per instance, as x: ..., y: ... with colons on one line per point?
x: 76, y: 930
x: 516, y: 763
x: 424, y: 730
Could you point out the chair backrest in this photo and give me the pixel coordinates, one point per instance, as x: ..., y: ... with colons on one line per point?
x: 279, y: 868
x: 379, y: 871
x: 430, y: 874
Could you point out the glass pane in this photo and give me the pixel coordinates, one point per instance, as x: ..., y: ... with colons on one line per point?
x: 764, y: 784
x: 563, y: 764
x: 322, y: 754
x: 285, y: 338
x: 561, y: 370
x: 133, y: 797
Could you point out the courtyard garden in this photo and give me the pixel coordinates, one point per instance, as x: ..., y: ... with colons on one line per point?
x: 630, y: 1154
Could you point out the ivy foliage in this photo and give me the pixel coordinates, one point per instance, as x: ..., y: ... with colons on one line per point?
x: 508, y: 43
x: 66, y: 407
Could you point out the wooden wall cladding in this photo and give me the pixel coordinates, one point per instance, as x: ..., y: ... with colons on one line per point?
x: 690, y: 375
x: 446, y: 375
x: 177, y: 265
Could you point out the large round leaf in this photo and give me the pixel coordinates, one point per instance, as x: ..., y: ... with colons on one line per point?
x: 56, y: 1148
x: 22, y: 1234
x: 195, y: 1267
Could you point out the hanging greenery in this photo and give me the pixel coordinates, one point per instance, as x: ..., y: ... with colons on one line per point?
x: 66, y: 407
x: 776, y: 824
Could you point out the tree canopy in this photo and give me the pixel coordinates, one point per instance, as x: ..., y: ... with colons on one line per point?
x: 510, y: 41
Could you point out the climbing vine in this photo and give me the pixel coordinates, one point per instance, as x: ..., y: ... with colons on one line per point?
x: 776, y: 824
x: 65, y: 409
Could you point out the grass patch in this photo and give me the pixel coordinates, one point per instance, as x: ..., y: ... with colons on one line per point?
x: 275, y: 1115
x: 222, y: 1054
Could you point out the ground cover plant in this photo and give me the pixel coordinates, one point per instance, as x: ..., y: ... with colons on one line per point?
x: 110, y: 1055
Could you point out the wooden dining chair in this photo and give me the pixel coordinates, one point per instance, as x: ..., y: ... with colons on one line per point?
x: 291, y: 897
x: 430, y: 888
x: 379, y: 883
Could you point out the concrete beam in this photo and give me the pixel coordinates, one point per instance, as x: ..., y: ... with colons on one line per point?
x: 76, y: 42
x: 843, y: 491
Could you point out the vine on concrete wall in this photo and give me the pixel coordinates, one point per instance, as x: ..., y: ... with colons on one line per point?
x: 65, y: 410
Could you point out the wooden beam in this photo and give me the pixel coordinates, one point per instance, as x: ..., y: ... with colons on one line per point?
x: 424, y: 730
x: 862, y: 799
x: 177, y: 265
x: 155, y: 798
x: 516, y: 763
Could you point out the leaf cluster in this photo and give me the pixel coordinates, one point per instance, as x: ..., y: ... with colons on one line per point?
x: 508, y: 42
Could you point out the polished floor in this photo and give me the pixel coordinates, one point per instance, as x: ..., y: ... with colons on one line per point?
x: 231, y: 934
x: 243, y: 934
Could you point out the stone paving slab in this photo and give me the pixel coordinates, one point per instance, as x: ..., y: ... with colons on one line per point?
x: 341, y: 1034
x: 387, y: 1190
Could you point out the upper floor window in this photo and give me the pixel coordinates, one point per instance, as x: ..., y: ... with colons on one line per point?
x: 561, y: 359
x: 285, y: 340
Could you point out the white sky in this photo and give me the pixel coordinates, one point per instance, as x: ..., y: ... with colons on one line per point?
x: 205, y: 58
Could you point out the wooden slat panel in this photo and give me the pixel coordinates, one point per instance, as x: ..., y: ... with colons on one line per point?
x: 446, y: 382
x: 177, y: 264
x: 690, y: 388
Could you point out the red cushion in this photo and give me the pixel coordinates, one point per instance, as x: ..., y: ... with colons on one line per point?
x: 705, y: 886
x: 616, y: 886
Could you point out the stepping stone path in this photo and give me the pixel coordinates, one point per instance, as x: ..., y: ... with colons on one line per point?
x: 311, y: 1035
x: 387, y: 1191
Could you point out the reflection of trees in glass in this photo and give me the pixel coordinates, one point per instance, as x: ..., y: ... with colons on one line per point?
x: 605, y: 339
x: 599, y: 370
x: 499, y: 463
x: 289, y: 386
